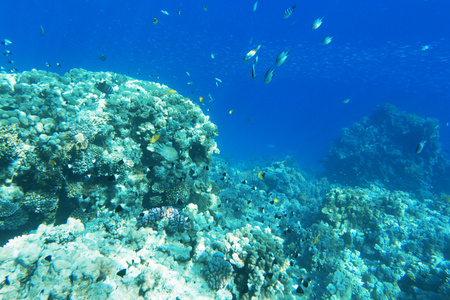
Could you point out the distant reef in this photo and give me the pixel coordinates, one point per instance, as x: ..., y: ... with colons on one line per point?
x: 392, y: 148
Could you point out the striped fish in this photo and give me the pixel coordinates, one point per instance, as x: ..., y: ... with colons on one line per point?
x: 288, y: 12
x: 104, y: 88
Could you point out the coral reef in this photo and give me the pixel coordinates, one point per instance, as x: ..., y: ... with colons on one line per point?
x: 384, y: 148
x: 62, y: 135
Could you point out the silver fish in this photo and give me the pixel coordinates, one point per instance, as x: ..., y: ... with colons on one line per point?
x: 327, y: 40
x: 288, y: 12
x: 269, y: 75
x: 251, y: 53
x: 254, y: 67
x: 316, y: 24
x: 281, y: 58
x: 421, y: 146
x: 255, y: 5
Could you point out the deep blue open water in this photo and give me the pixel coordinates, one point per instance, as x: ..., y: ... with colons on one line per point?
x: 376, y: 56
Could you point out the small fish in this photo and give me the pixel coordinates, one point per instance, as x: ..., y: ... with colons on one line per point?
x: 218, y: 80
x: 251, y: 53
x: 426, y: 47
x: 261, y: 175
x: 269, y: 75
x: 155, y: 21
x: 7, y: 52
x: 244, y: 182
x: 187, y: 73
x: 210, y: 98
x: 292, y: 24
x: 327, y: 40
x: 200, y: 99
x: 205, y: 8
x: 171, y: 91
x: 104, y: 88
x: 230, y: 112
x: 288, y: 12
x: 254, y: 67
x: 255, y: 6
x: 155, y: 138
x: 6, y: 42
x: 165, y: 12
x: 102, y: 57
x: 316, y: 24
x: 122, y: 273
x: 217, y: 84
x: 10, y: 61
x: 42, y: 30
x: 317, y: 238
x: 179, y: 11
x: 213, y: 56
x: 421, y: 146
x: 275, y: 200
x: 346, y: 100
x: 190, y: 82
x: 58, y: 64
x: 281, y: 58
x: 47, y: 64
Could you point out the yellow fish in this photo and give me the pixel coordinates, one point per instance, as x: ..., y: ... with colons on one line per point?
x: 155, y: 138
x: 200, y: 99
x: 261, y: 175
x: 275, y: 200
x: 231, y: 111
x: 317, y: 238
x: 171, y: 91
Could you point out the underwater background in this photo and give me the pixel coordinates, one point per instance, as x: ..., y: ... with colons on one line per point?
x: 140, y: 157
x: 375, y: 57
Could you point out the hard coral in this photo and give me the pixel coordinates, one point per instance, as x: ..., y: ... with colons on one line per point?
x: 176, y: 221
x: 217, y: 271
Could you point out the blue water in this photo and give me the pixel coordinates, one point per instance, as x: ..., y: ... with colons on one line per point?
x: 375, y: 57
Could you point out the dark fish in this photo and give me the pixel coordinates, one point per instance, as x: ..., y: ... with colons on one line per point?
x: 119, y: 208
x: 7, y: 108
x: 7, y: 52
x: 48, y: 258
x: 288, y: 12
x: 42, y: 30
x: 122, y: 273
x: 104, y: 88
x: 102, y: 57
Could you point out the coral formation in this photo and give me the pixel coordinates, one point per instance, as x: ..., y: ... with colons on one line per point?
x: 217, y: 271
x: 384, y: 148
x: 176, y: 221
x: 62, y: 135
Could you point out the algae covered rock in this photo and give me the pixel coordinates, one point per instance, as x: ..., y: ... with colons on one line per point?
x: 139, y: 144
x: 385, y: 148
